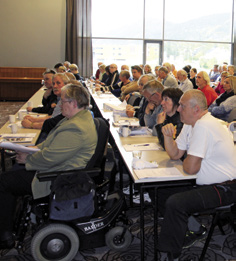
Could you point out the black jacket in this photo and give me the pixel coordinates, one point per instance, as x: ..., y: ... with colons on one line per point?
x: 52, y: 98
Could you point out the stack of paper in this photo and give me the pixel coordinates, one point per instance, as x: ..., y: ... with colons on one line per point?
x: 18, y: 137
x: 17, y: 147
x: 159, y: 174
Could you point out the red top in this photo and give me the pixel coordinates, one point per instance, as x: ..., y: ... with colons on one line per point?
x: 210, y: 94
x: 219, y: 89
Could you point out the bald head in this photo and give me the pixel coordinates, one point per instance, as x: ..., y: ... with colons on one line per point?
x: 193, y: 105
x: 196, y: 97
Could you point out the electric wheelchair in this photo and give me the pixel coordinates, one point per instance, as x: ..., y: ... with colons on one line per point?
x: 54, y: 239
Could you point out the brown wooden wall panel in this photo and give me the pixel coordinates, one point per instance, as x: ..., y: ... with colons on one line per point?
x: 18, y: 91
x: 19, y: 83
x: 32, y: 72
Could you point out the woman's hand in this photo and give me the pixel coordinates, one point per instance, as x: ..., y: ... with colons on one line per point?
x: 161, y: 117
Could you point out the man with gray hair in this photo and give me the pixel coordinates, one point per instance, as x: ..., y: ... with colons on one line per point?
x: 203, y: 83
x: 152, y: 92
x: 211, y: 157
x: 167, y: 80
x: 185, y: 83
x: 169, y: 67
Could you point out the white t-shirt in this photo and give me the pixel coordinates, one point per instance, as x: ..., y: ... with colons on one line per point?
x: 212, y: 142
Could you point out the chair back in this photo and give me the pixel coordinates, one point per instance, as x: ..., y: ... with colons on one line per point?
x: 102, y: 127
x: 232, y: 115
x: 134, y: 99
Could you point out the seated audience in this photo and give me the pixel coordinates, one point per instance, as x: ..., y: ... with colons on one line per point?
x: 58, y: 80
x: 152, y: 92
x: 56, y: 66
x: 67, y: 65
x: 193, y: 74
x: 112, y: 79
x: 185, y: 83
x: 174, y: 71
x: 231, y: 70
x: 104, y: 73
x: 49, y: 100
x: 98, y: 72
x: 157, y: 72
x: 167, y: 80
x: 214, y: 73
x: 211, y: 157
x: 187, y: 68
x: 68, y: 146
x: 62, y: 69
x: 147, y: 69
x: 70, y: 76
x: 226, y: 102
x: 75, y: 70
x: 219, y: 89
x: 132, y: 86
x: 124, y: 82
x: 170, y: 104
x: 168, y: 66
x: 140, y: 111
x: 203, y: 83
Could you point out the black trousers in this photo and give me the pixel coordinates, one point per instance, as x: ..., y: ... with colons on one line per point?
x: 178, y: 204
x: 12, y: 184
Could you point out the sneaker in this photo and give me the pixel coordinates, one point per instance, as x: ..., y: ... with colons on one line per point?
x: 136, y: 198
x: 193, y: 237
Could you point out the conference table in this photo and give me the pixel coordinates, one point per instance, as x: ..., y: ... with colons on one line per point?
x: 36, y: 100
x: 104, y: 104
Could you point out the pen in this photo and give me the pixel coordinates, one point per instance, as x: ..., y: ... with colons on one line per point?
x: 138, y: 145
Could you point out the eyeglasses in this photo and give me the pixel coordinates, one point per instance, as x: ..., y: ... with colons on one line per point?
x: 62, y: 102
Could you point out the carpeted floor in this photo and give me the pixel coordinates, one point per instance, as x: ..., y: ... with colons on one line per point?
x: 221, y: 247
x: 7, y: 108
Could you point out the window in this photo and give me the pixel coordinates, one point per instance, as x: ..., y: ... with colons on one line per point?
x: 181, y: 32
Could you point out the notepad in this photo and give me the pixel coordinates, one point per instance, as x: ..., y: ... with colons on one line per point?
x: 159, y: 173
x: 142, y: 146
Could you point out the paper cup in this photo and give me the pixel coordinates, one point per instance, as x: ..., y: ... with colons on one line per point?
x: 125, y: 131
x: 12, y: 118
x: 14, y: 128
x: 116, y: 117
x: 20, y: 115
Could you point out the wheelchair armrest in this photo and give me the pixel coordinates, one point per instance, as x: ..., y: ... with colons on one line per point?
x: 50, y: 176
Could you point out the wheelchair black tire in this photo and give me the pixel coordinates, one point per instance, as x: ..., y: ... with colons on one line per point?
x: 118, y: 238
x: 61, y: 237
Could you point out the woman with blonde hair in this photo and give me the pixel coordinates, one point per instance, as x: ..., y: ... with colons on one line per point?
x: 226, y: 102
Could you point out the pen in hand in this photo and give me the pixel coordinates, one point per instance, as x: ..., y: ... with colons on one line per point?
x: 140, y: 145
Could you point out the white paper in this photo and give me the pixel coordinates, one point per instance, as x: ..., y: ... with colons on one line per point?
x: 18, y: 135
x: 159, y: 173
x: 17, y: 147
x: 129, y: 122
x: 142, y: 146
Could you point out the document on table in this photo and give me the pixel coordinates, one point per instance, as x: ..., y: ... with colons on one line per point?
x: 142, y: 146
x: 17, y: 147
x: 18, y: 137
x: 159, y: 173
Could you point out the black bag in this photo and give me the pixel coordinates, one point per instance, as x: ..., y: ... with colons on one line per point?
x: 72, y: 197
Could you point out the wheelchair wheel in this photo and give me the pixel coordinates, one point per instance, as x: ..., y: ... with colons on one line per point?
x: 118, y: 238
x: 55, y: 242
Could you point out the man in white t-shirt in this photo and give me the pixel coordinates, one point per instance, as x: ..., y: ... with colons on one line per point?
x: 211, y: 155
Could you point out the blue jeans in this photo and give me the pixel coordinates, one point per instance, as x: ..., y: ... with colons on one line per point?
x: 180, y: 205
